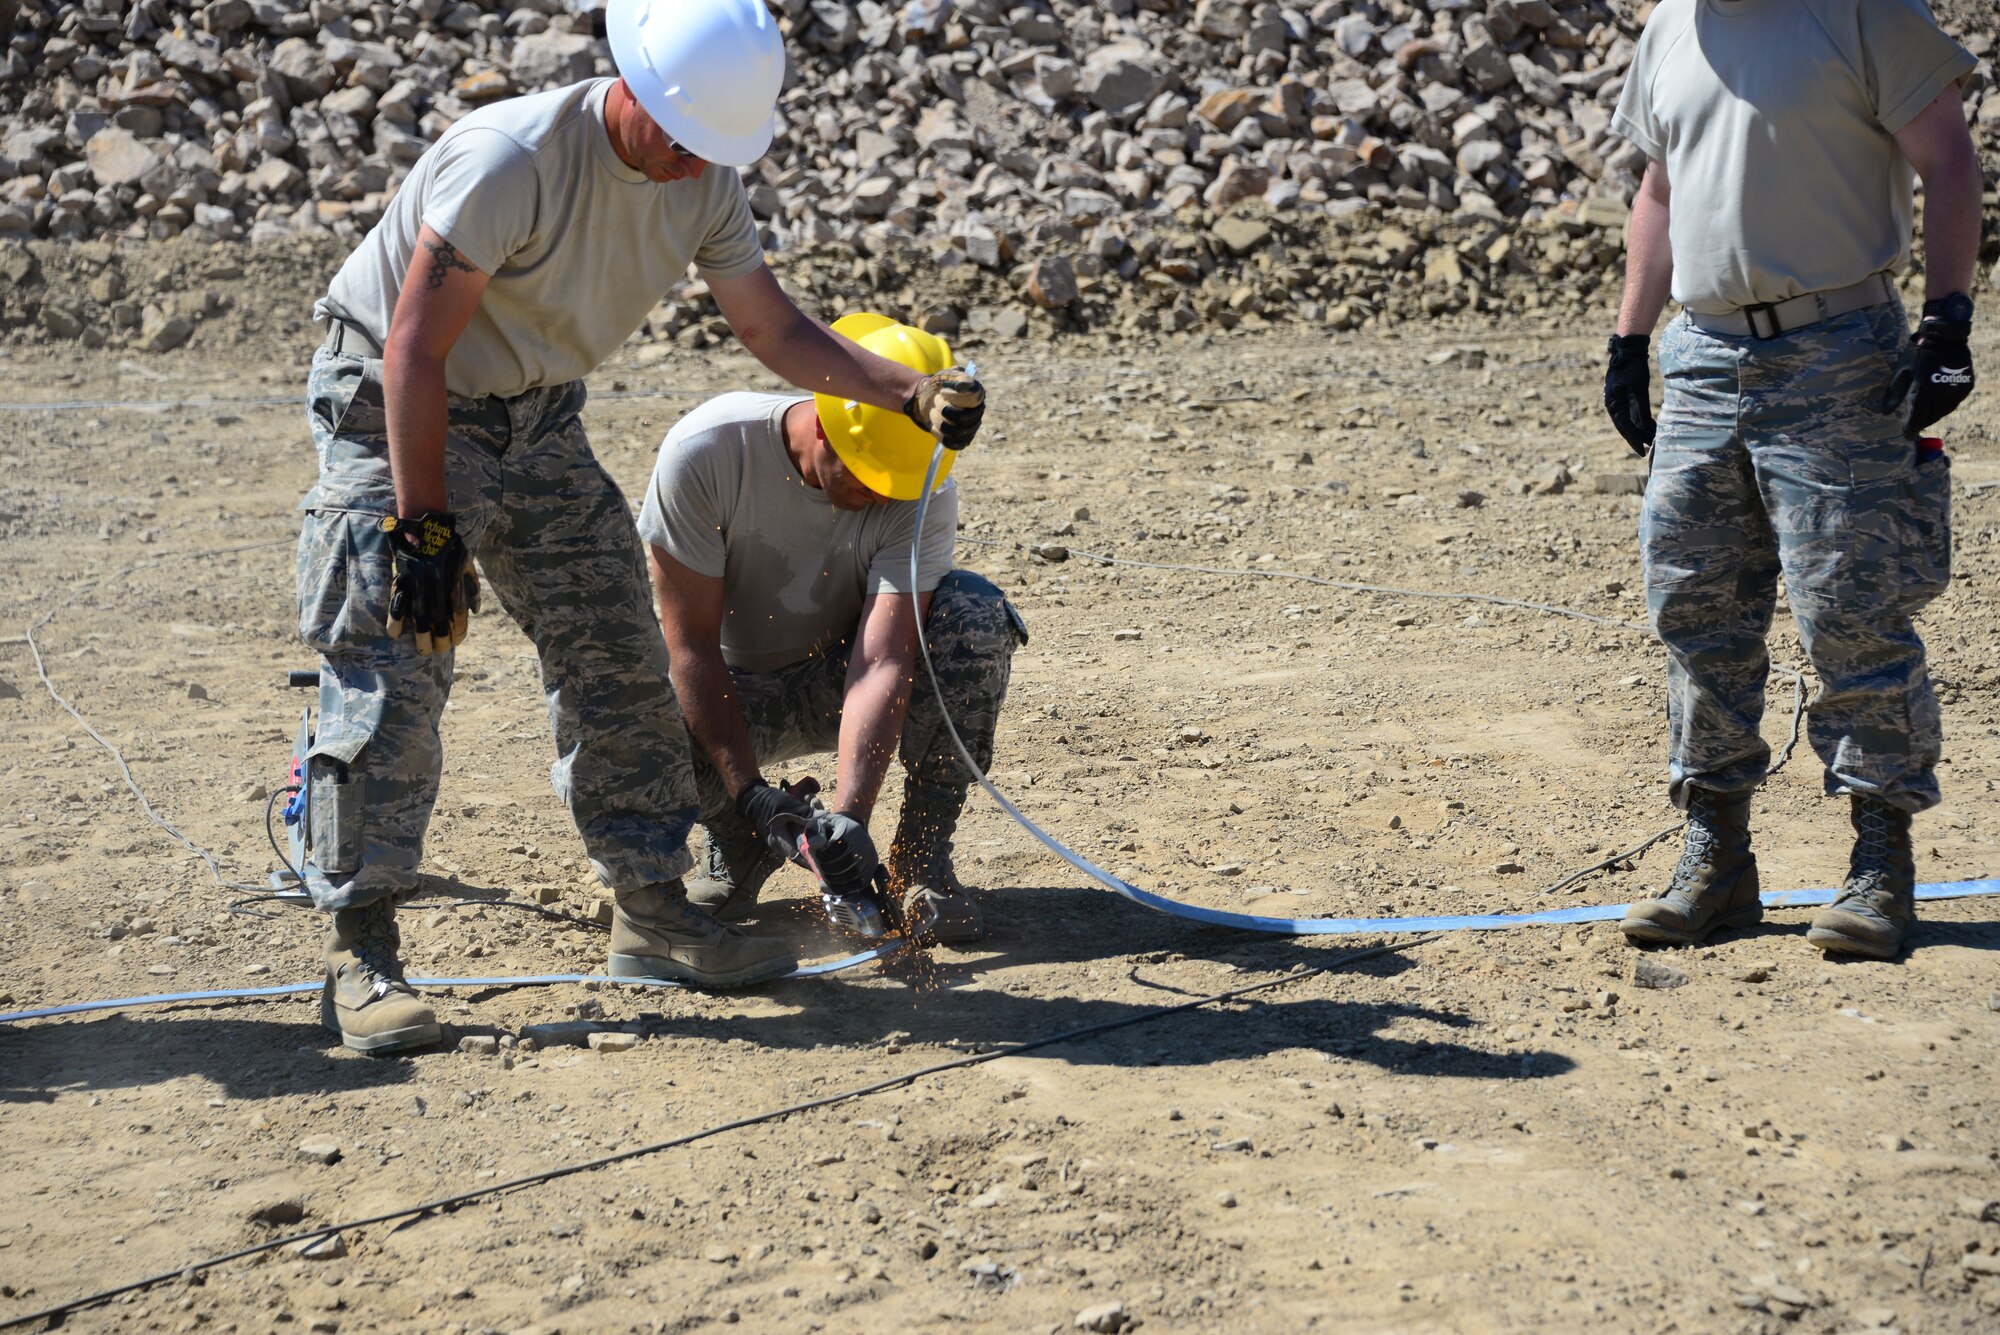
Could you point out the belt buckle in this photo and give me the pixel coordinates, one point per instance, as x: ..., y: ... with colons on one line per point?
x: 1769, y: 309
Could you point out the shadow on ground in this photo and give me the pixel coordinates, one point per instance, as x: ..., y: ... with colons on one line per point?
x: 249, y: 1058
x: 941, y: 999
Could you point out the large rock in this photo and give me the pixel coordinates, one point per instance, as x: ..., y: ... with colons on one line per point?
x: 1120, y: 79
x: 1052, y: 283
x: 1237, y: 181
x: 1222, y: 19
x: 553, y: 58
x: 116, y: 157
x: 306, y: 73
x: 190, y: 57
x: 223, y: 17
x: 1487, y: 66
x: 1225, y: 107
x: 275, y: 176
x: 1241, y: 235
x: 1537, y: 82
x: 160, y: 332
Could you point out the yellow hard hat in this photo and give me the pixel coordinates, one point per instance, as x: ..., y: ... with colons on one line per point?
x: 887, y: 452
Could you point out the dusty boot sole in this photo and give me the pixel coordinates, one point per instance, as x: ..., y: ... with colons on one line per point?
x: 389, y: 1040
x: 1664, y: 934
x: 1833, y: 941
x: 656, y: 966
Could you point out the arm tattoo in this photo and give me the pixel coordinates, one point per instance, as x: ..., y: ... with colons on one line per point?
x: 443, y: 260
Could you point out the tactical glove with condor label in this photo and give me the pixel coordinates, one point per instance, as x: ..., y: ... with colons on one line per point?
x: 1937, y: 364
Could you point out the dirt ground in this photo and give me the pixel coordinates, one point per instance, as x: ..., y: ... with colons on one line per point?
x: 1477, y: 1133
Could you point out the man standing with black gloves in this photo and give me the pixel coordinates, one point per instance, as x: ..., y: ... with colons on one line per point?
x: 1781, y: 137
x: 446, y: 404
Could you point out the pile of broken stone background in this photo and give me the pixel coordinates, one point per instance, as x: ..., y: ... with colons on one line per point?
x: 1131, y: 164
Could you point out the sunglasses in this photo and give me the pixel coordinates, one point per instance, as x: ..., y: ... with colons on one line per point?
x: 683, y: 150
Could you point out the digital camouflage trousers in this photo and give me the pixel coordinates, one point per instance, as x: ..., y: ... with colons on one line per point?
x: 794, y: 711
x: 555, y: 544
x: 1776, y: 456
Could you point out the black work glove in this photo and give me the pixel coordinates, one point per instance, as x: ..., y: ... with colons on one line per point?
x: 1937, y: 364
x: 841, y: 854
x: 1628, y: 391
x: 949, y: 406
x: 777, y: 814
x: 432, y: 588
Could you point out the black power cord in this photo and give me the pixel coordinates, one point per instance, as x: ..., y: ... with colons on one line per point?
x: 56, y: 1314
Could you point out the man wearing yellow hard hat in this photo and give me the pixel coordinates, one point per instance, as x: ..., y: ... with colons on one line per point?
x: 779, y: 531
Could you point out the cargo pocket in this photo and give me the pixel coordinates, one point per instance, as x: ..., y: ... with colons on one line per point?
x: 1014, y: 620
x: 343, y: 580
x: 1926, y: 563
x: 350, y: 711
x: 331, y: 392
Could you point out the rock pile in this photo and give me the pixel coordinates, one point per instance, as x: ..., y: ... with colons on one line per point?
x: 1057, y: 147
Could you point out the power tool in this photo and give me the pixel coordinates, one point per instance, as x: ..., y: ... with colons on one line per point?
x: 862, y: 904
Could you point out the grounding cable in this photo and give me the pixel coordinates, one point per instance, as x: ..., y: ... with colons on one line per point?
x: 118, y: 757
x: 1292, y: 926
x: 445, y: 1203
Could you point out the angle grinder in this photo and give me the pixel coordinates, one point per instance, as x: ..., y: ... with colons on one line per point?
x: 863, y: 904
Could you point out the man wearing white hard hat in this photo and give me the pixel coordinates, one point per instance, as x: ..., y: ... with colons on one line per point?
x: 780, y: 529
x: 523, y: 249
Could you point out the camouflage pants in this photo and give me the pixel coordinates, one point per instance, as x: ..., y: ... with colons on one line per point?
x: 972, y: 630
x: 1775, y: 456
x: 556, y: 544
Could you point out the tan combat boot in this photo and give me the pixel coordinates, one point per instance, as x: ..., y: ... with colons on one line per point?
x: 365, y: 999
x: 1878, y: 903
x: 656, y: 933
x: 738, y: 864
x: 937, y: 905
x: 1715, y: 885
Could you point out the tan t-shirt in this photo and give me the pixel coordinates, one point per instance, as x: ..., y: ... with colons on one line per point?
x: 726, y: 501
x: 578, y: 245
x: 1775, y: 121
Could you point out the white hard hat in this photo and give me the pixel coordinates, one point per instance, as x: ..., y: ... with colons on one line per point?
x: 707, y: 71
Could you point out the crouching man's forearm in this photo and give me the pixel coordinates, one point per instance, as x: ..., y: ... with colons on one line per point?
x: 880, y: 674
x: 690, y: 607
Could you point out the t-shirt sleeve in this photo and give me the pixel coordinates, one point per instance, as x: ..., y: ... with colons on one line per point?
x: 483, y: 197
x: 1907, y: 59
x: 889, y: 572
x: 683, y: 511
x: 1637, y: 118
x: 731, y: 248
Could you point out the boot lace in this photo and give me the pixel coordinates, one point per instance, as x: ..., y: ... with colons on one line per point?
x: 1702, y: 845
x: 1871, y: 873
x: 376, y: 944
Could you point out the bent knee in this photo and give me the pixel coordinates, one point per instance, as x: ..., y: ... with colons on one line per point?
x: 969, y: 609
